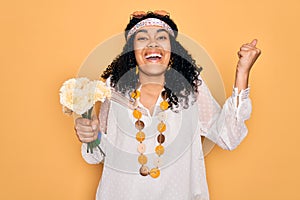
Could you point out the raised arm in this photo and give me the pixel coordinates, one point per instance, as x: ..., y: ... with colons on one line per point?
x: 247, y: 56
x: 226, y: 126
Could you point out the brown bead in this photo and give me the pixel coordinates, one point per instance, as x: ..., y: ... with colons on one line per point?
x: 161, y: 138
x: 139, y: 124
x: 164, y: 95
x: 144, y: 170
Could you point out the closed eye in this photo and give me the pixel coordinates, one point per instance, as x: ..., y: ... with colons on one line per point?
x: 142, y: 38
x: 162, y: 38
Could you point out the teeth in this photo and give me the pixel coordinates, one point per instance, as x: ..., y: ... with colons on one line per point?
x: 153, y: 55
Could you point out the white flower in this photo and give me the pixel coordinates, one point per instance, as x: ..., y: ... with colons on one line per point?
x: 101, y: 92
x: 80, y: 94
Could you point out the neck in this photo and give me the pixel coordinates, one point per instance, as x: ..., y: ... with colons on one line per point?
x: 155, y: 80
x: 149, y: 94
x: 152, y: 88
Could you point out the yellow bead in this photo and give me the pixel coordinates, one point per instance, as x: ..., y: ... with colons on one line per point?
x: 142, y: 159
x: 135, y: 94
x: 154, y: 172
x: 159, y: 150
x: 140, y: 136
x: 137, y: 114
x: 161, y: 127
x: 164, y: 105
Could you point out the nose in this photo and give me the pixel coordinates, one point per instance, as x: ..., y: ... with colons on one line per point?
x: 152, y: 44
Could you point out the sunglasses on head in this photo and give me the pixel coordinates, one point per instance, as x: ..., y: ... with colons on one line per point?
x: 140, y: 14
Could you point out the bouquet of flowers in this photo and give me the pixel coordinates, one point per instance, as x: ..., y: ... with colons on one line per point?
x: 79, y: 95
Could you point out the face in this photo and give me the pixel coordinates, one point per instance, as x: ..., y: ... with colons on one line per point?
x: 152, y: 49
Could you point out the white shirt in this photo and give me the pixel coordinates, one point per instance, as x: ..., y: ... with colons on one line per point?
x: 183, y: 175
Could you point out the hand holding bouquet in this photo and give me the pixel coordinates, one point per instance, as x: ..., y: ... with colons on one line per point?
x: 79, y: 95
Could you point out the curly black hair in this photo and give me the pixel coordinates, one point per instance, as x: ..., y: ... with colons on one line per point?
x: 182, y: 80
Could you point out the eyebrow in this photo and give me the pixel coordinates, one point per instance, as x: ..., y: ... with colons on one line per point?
x: 161, y: 30
x: 145, y: 31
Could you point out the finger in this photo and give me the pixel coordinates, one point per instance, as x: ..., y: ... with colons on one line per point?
x: 83, y: 121
x: 86, y: 136
x: 83, y: 134
x: 86, y: 140
x: 95, y: 123
x: 95, y: 136
x: 245, y: 48
x: 249, y: 46
x: 239, y: 54
x: 253, y: 43
x: 83, y: 128
x: 242, y: 53
x: 89, y: 139
x: 251, y: 51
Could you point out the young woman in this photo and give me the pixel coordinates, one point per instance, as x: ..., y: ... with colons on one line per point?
x: 151, y: 128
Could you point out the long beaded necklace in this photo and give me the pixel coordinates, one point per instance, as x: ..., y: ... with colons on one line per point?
x: 140, y: 135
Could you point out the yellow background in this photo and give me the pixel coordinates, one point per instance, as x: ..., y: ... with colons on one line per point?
x: 43, y: 43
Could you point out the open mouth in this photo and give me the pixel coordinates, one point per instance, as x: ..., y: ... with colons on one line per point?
x: 153, y: 57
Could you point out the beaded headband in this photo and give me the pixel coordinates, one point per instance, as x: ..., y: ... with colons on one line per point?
x: 150, y: 22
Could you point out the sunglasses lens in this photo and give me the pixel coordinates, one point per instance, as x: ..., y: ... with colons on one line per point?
x: 138, y: 14
x: 161, y: 12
